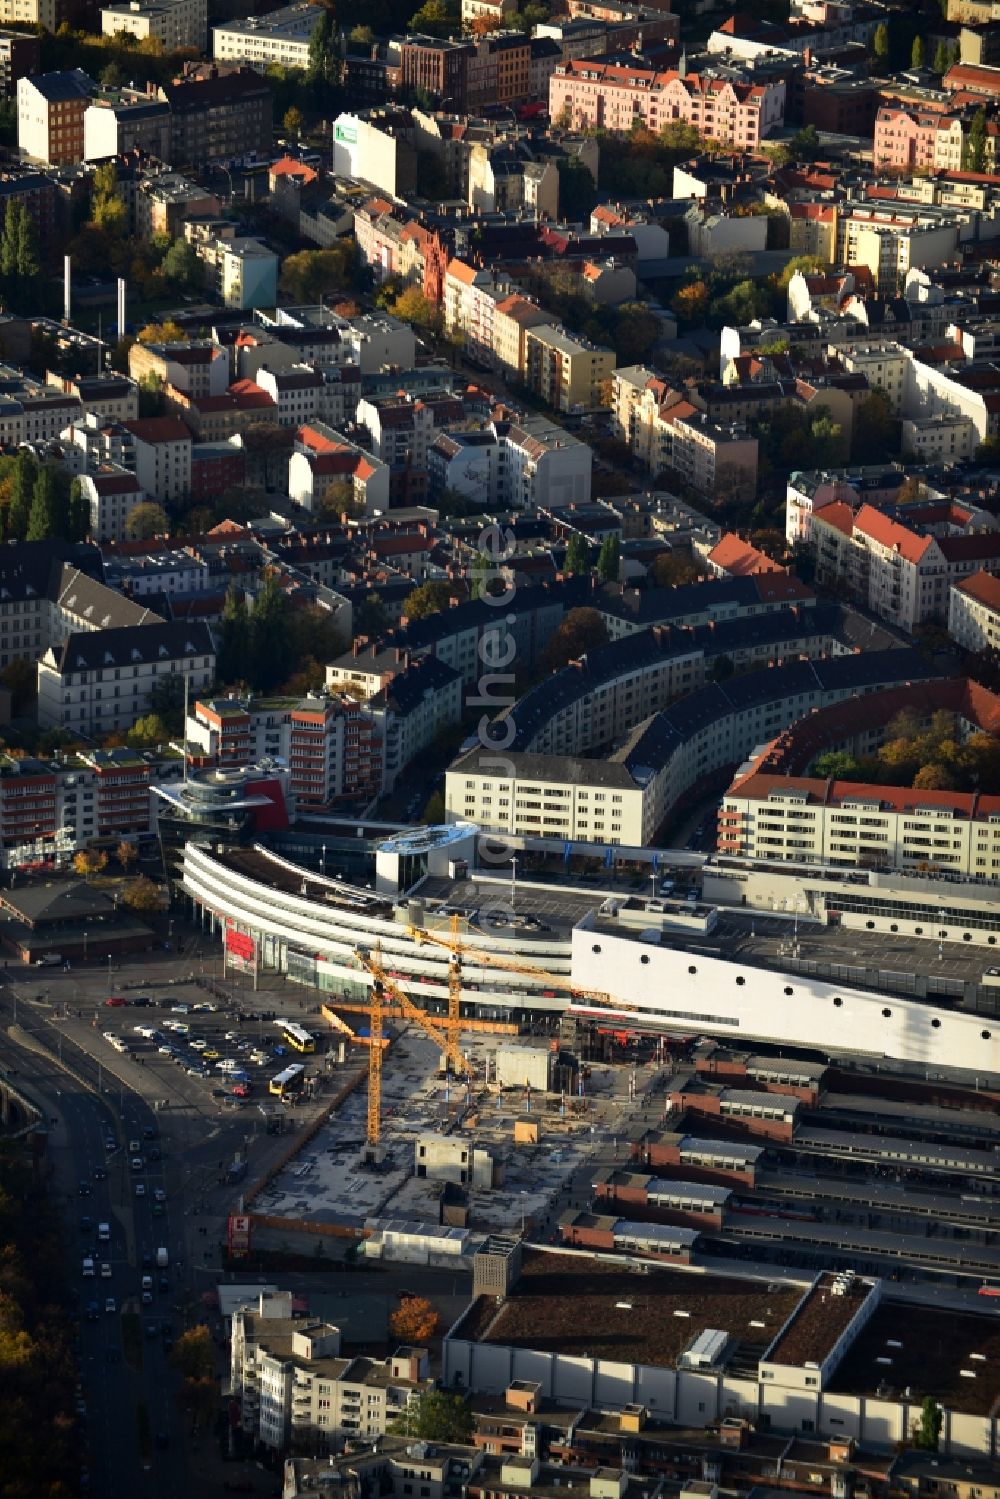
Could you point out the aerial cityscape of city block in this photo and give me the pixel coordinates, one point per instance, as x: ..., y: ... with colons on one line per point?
x: 500, y: 749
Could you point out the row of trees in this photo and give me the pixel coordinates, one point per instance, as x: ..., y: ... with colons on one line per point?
x: 39, y: 502
x: 927, y: 757
x: 258, y: 642
x: 39, y: 1437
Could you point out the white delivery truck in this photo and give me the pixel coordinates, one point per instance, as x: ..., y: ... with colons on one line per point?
x: 162, y: 1259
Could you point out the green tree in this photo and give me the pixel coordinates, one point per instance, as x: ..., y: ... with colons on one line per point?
x: 437, y: 1416
x: 21, y: 495
x: 321, y: 66
x: 146, y: 521
x: 673, y: 570
x: 928, y: 1429
x: 434, y: 812
x: 292, y: 122
x: 836, y: 765
x: 430, y: 598
x: 181, y: 266
x: 151, y: 394
x: 974, y: 153
x: 413, y: 307
x: 147, y: 732
x: 917, y: 52
x: 233, y: 640
x: 941, y: 61
x: 44, y: 516
x: 577, y: 189
x: 268, y: 636
x: 880, y: 41
x: 609, y: 559
x: 167, y: 701
x: 361, y: 36
x: 434, y: 18
x: 77, y: 513
x: 371, y: 617
x: 577, y: 559
x: 193, y: 1353
x: 107, y: 205
x: 19, y: 264
x: 875, y: 438
x: 804, y: 144
x: 311, y: 274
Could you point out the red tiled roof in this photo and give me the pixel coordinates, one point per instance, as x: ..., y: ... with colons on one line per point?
x: 739, y: 559
x: 837, y: 514
x: 984, y: 588
x: 889, y: 533
x: 158, y: 429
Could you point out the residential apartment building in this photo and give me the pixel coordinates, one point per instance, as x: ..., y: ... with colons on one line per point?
x: 52, y: 808
x: 172, y: 23
x: 902, y: 571
x: 198, y: 368
x: 913, y: 140
x: 296, y: 393
x: 974, y: 612
x: 112, y: 396
x: 439, y: 66
x: 292, y: 1384
x: 163, y: 203
x: 377, y: 146
x: 812, y: 821
x: 413, y: 710
x: 567, y: 371
x: 162, y: 448
x: 222, y: 116
x: 325, y: 459
x: 716, y: 461
x: 281, y: 36
x: 114, y: 126
x: 516, y: 465
x: 401, y: 430
x: 27, y: 13
x: 892, y: 241
x: 496, y: 11
x: 591, y: 93
x: 112, y: 494
x: 20, y: 55
x: 96, y: 683
x: 243, y: 271
x: 512, y: 317
x: 50, y: 111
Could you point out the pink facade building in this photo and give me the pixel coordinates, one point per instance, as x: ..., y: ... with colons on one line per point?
x: 613, y: 95
x: 910, y: 139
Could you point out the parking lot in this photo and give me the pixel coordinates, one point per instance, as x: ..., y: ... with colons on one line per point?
x: 233, y: 1053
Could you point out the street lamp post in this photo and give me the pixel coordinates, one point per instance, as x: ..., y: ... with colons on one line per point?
x: 513, y: 882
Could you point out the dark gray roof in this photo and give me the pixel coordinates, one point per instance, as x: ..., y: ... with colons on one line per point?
x: 97, y: 604
x: 134, y: 646
x: 58, y: 87
x: 530, y: 767
x: 648, y: 647
x: 408, y: 688
x: 33, y: 569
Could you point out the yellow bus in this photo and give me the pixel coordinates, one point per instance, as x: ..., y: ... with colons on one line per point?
x: 297, y: 1036
x: 285, y: 1083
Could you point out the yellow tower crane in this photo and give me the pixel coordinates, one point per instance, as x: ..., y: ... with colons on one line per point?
x: 444, y: 1035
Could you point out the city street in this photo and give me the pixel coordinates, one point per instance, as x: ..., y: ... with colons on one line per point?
x: 54, y: 1023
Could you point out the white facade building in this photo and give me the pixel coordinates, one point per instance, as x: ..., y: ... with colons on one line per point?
x: 174, y: 23
x: 280, y: 36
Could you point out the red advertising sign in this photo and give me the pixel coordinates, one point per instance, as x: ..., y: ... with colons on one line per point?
x: 240, y: 945
x: 238, y: 1235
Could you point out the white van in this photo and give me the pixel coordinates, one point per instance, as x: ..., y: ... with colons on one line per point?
x: 104, y: 1232
x: 88, y: 1267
